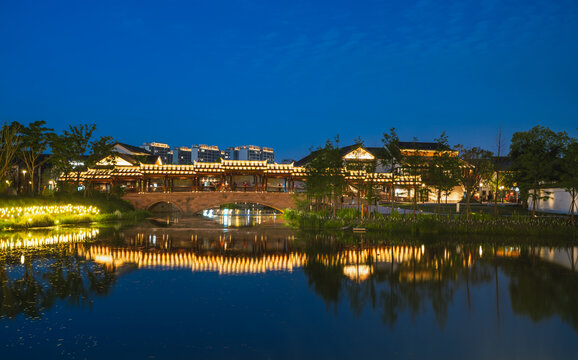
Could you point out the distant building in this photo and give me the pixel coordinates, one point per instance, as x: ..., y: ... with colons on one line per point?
x: 230, y: 154
x: 251, y: 152
x: 200, y: 153
x: 205, y: 153
x: 160, y: 149
x: 182, y: 155
x: 268, y: 154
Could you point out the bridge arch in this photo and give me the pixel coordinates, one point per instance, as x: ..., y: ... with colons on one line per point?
x: 218, y: 204
x: 193, y: 202
x: 164, y: 206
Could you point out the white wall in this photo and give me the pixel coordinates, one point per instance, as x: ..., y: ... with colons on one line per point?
x: 455, y: 196
x: 558, y: 202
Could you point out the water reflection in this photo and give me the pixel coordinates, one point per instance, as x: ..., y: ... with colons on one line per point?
x: 36, y: 238
x: 246, y: 216
x: 39, y: 284
x: 393, y: 280
x: 226, y: 218
x: 543, y: 283
x: 39, y: 270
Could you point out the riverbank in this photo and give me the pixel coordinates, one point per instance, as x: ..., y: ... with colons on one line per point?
x: 19, y: 212
x: 420, y: 224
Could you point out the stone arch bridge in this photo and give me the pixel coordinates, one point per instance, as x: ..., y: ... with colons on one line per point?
x: 193, y: 202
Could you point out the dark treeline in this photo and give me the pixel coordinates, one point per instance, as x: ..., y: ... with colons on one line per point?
x: 68, y: 278
x: 34, y: 145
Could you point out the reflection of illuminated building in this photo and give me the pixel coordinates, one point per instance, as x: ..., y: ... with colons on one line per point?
x: 357, y: 272
x: 565, y: 257
x: 357, y: 264
x: 247, y: 252
x: 378, y: 254
x: 218, y: 263
x: 507, y: 251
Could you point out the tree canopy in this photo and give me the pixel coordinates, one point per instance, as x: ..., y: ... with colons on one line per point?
x: 537, y: 157
x: 477, y: 169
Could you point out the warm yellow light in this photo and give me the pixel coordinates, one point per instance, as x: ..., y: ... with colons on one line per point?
x: 360, y: 272
x: 16, y: 242
x: 18, y: 211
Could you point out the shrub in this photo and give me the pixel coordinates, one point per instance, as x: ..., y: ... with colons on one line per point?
x: 348, y: 214
x: 422, y: 224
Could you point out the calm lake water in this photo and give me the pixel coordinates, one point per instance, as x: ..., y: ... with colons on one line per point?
x: 199, y: 289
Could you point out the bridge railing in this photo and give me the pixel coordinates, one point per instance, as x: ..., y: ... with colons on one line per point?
x: 183, y: 188
x: 156, y: 189
x: 212, y: 188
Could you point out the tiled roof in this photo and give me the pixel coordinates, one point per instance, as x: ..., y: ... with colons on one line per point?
x: 135, y: 150
x: 378, y: 152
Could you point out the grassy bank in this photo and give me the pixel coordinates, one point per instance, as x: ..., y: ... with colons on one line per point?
x: 478, y: 224
x: 106, y: 204
x: 109, y: 209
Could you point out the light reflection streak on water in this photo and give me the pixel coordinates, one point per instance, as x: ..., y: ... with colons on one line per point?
x: 354, y: 261
x: 358, y: 263
x: 33, y: 240
x: 196, y: 262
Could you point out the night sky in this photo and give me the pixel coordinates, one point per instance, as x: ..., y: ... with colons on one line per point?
x: 291, y: 74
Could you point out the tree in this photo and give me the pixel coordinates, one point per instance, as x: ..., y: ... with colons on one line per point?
x: 569, y: 176
x: 35, y: 140
x: 414, y: 167
x: 69, y: 149
x: 497, y: 170
x: 477, y: 168
x: 500, y: 179
x: 367, y: 186
x: 100, y: 149
x: 9, y: 145
x: 536, y: 156
x: 370, y: 193
x: 442, y: 170
x: 393, y: 157
x: 325, y: 181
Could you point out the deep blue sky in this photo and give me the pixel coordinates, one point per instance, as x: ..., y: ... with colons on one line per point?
x: 291, y: 74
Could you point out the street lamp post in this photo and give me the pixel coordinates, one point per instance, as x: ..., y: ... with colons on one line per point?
x: 23, y: 182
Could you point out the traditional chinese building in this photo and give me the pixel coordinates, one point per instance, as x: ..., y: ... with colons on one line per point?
x: 135, y: 175
x: 361, y: 158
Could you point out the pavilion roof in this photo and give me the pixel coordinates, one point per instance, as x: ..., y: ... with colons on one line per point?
x: 379, y: 153
x: 204, y: 168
